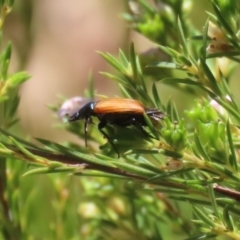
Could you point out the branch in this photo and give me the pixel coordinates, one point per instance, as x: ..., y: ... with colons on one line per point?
x: 71, y: 160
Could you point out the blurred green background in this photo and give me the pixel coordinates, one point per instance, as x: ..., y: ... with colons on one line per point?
x: 56, y: 42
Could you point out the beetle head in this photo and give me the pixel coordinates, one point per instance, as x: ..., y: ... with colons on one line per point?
x: 85, y: 112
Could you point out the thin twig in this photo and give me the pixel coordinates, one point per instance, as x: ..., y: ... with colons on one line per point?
x: 71, y: 160
x: 227, y: 192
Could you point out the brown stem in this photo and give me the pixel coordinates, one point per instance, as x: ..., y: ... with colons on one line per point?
x: 227, y: 192
x: 114, y: 170
x: 74, y: 160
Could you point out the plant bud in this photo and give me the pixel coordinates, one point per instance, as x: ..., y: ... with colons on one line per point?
x: 175, y: 135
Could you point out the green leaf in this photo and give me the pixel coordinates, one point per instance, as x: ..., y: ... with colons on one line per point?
x: 210, y: 76
x: 182, y: 38
x: 6, y: 61
x: 200, y: 148
x: 113, y: 61
x: 222, y: 20
x: 10, y: 107
x: 177, y: 191
x: 30, y: 156
x: 91, y: 91
x: 169, y: 51
x: 227, y: 91
x: 212, y: 16
x: 17, y: 79
x: 180, y: 80
x: 232, y: 158
x: 185, y: 61
x: 100, y: 174
x: 170, y: 153
x: 89, y: 159
x: 169, y: 109
x: 169, y: 65
x: 134, y: 169
x: 124, y: 91
x: 168, y: 174
x: 150, y: 167
x: 144, y: 87
x: 226, y: 201
x: 133, y: 61
x: 147, y: 6
x: 143, y: 151
x: 123, y: 59
x: 20, y: 140
x: 47, y: 170
x: 227, y: 105
x: 213, y: 200
x: 157, y: 101
x: 228, y: 219
x: 22, y: 149
x: 203, y: 236
x: 201, y: 215
x: 191, y: 200
x: 115, y: 78
x: 52, y: 145
x: 5, y: 151
x: 224, y: 170
x: 175, y: 112
x: 151, y: 126
x: 158, y: 232
x: 205, y: 39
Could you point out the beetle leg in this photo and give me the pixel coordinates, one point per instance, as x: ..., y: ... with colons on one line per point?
x: 102, y: 125
x: 87, y: 121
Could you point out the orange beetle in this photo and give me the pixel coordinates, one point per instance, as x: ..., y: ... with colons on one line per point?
x: 115, y: 111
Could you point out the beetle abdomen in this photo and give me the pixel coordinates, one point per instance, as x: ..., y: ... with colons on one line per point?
x: 123, y: 120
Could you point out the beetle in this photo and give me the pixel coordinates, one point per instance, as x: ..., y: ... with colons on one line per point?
x: 115, y: 111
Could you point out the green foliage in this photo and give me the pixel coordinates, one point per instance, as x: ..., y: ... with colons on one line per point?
x: 180, y: 183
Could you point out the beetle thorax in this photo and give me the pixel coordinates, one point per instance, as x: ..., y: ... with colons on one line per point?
x: 87, y: 110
